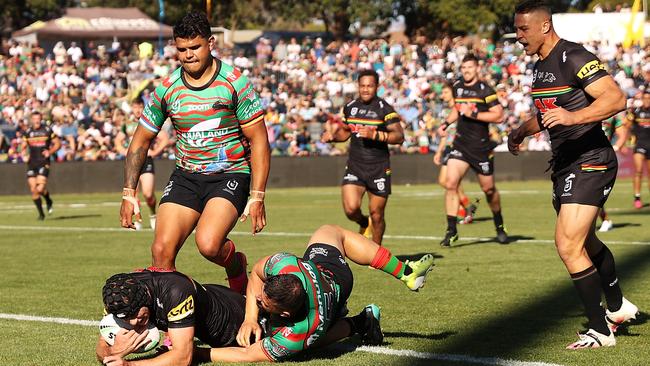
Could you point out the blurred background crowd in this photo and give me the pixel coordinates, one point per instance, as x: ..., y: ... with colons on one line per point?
x: 86, y: 94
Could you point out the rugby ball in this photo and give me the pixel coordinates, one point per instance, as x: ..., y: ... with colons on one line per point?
x: 110, y: 325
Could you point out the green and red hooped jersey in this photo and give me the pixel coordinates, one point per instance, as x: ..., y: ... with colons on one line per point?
x: 208, y: 120
x: 322, y: 299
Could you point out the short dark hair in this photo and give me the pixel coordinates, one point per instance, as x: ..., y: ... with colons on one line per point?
x: 369, y: 72
x: 529, y: 6
x: 124, y: 295
x: 470, y: 57
x: 193, y: 24
x: 138, y: 100
x: 286, y: 292
x: 36, y: 113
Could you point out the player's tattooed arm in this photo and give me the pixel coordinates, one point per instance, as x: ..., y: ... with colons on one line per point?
x: 134, y: 161
x: 136, y: 156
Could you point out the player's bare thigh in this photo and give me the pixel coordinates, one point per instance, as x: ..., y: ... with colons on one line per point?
x: 174, y: 224
x: 218, y: 218
x: 456, y: 170
x: 352, y: 195
x: 573, y: 226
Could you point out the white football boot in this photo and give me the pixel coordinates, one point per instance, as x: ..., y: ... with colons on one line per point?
x: 592, y: 339
x: 628, y: 311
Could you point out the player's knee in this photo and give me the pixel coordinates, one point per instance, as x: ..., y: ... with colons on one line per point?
x: 451, y: 185
x: 210, y: 248
x: 163, y: 254
x: 350, y: 211
x: 489, y: 192
x: 376, y: 216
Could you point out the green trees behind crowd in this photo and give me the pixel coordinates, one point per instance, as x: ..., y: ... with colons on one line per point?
x: 428, y: 17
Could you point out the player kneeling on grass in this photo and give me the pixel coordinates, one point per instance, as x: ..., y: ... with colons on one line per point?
x: 306, y: 297
x: 174, y: 303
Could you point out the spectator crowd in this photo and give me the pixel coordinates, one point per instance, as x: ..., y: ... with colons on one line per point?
x: 85, y: 94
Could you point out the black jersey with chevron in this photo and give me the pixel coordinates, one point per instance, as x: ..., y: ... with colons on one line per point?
x: 559, y: 80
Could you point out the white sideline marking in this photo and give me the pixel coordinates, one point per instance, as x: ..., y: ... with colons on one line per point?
x: 47, y: 319
x: 376, y: 350
x: 288, y: 234
x: 450, y: 357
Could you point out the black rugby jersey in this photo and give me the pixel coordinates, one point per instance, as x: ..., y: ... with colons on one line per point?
x: 180, y: 302
x: 377, y: 113
x: 471, y: 132
x: 640, y: 118
x: 38, y: 140
x: 560, y: 80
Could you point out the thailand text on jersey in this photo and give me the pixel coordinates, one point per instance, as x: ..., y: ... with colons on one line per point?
x: 469, y: 131
x: 38, y: 140
x: 378, y: 114
x: 208, y: 120
x: 559, y: 80
x: 322, y: 300
x: 640, y: 118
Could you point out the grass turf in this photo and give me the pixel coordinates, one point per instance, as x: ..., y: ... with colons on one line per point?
x: 482, y: 299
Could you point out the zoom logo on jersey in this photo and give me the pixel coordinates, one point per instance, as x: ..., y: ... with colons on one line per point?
x: 590, y: 68
x: 545, y: 104
x: 182, y: 310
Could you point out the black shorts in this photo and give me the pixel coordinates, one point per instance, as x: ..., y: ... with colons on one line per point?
x: 219, y: 328
x: 148, y: 166
x: 39, y: 168
x: 194, y: 190
x: 375, y: 177
x: 480, y: 160
x: 642, y: 149
x: 445, y: 154
x: 587, y: 180
x: 331, y: 261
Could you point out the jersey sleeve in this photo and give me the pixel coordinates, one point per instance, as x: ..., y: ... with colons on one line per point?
x: 248, y: 105
x: 490, y: 97
x: 180, y: 305
x: 390, y: 116
x: 586, y: 67
x: 286, y: 341
x: 155, y: 114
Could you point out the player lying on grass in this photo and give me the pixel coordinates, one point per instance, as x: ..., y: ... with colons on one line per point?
x: 176, y: 304
x: 306, y: 297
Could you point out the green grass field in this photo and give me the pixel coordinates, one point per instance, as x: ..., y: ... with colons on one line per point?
x: 482, y: 301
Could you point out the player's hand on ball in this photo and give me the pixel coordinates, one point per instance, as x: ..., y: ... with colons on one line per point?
x: 248, y: 329
x: 127, y: 341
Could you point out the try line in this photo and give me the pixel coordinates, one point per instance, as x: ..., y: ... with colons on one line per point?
x: 375, y: 350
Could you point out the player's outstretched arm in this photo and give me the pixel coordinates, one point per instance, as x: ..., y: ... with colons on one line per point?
x: 253, y: 353
x: 254, y: 289
x: 608, y: 100
x: 260, y: 165
x: 180, y: 355
x: 135, y: 158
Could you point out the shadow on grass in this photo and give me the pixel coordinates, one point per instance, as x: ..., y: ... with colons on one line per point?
x: 624, y: 224
x: 632, y: 211
x: 434, y: 336
x: 512, y: 239
x: 70, y: 217
x: 523, y: 327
